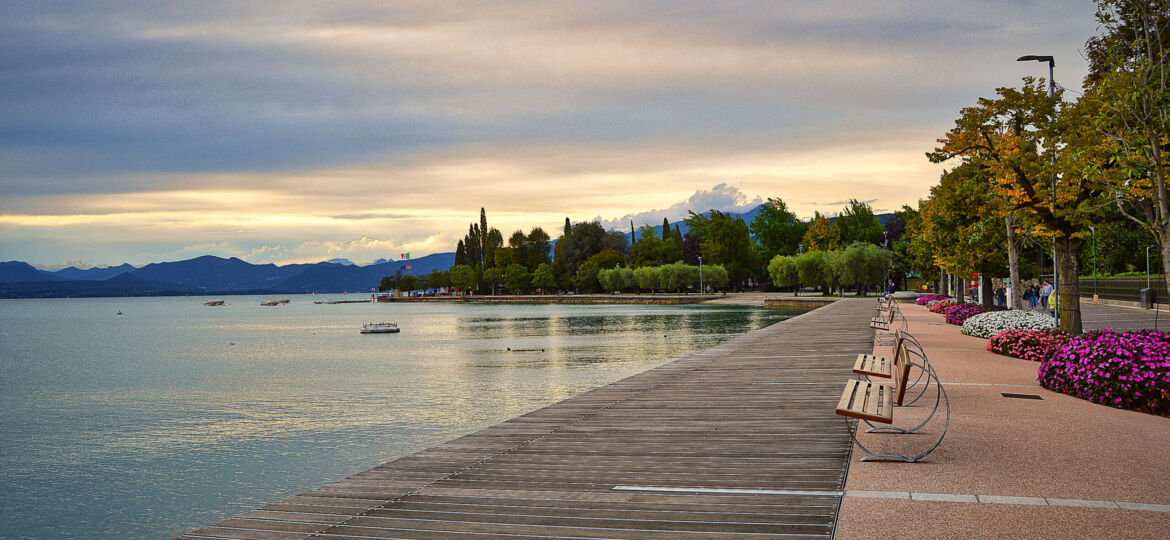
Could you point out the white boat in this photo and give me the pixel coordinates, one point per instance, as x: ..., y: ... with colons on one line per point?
x: 380, y: 328
x: 213, y: 303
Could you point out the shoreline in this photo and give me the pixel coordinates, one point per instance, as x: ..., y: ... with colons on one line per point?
x: 743, y: 299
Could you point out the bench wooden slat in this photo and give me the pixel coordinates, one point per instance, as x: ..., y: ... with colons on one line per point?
x: 901, y: 372
x: 873, y: 366
x: 867, y: 401
x: 847, y: 395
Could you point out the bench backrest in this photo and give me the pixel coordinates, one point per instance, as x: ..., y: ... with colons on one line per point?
x: 901, y: 371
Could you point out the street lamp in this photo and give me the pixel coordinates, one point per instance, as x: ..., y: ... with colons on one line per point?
x: 1051, y: 93
x: 1148, y: 266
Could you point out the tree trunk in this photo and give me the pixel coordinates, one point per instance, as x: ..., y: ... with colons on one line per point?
x: 959, y: 288
x: 988, y: 290
x: 1068, y: 291
x: 1015, y: 295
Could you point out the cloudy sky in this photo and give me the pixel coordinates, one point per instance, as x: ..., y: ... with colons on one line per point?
x: 300, y: 131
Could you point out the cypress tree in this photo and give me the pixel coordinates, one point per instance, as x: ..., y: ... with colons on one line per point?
x: 460, y: 253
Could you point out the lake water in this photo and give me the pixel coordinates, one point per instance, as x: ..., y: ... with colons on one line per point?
x: 175, y: 415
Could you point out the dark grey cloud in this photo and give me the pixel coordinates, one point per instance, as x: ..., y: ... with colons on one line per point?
x: 100, y: 90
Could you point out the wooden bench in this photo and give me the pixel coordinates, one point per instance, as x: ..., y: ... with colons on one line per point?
x: 872, y: 365
x: 888, y: 313
x: 873, y: 401
x: 878, y: 366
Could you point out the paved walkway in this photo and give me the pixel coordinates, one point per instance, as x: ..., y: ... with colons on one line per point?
x: 1122, y: 318
x: 1055, y: 467
x: 738, y: 441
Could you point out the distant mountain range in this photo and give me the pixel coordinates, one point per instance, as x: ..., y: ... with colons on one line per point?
x: 206, y: 275
x: 210, y: 275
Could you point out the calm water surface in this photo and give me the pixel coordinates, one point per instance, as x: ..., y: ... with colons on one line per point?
x: 175, y: 415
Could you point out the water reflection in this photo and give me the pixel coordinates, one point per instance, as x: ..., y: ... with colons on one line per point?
x: 176, y: 415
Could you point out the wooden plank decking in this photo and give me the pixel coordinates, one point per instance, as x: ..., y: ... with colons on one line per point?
x: 738, y: 441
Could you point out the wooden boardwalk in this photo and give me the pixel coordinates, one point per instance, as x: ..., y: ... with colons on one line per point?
x: 738, y: 441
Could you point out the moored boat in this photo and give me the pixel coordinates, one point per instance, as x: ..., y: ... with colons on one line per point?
x: 270, y: 302
x: 380, y: 328
x: 213, y: 303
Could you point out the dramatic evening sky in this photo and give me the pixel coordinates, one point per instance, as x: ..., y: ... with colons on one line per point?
x: 300, y: 131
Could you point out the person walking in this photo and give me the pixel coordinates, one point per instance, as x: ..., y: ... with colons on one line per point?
x: 891, y: 288
x: 1031, y: 294
x: 1001, y: 297
x: 1045, y: 292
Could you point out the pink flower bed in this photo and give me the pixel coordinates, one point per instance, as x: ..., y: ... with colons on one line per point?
x: 1027, y: 344
x: 923, y: 300
x: 1126, y: 370
x: 961, y: 312
x: 941, y: 307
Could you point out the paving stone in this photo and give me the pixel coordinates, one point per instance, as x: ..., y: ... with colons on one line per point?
x: 1081, y: 503
x: 878, y: 494
x: 1001, y: 499
x: 1144, y: 506
x: 945, y: 497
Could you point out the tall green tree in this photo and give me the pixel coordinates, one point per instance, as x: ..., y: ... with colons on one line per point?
x: 782, y: 270
x: 492, y: 241
x: 777, y: 229
x: 536, y: 248
x: 493, y: 277
x: 821, y: 235
x: 651, y: 250
x: 460, y: 253
x: 1017, y: 136
x: 1129, y: 84
x: 517, y: 278
x: 586, y: 277
x: 862, y: 264
x: 726, y: 242
x: 543, y: 278
x: 463, y: 277
x: 960, y: 225
x: 409, y: 283
x: 813, y: 269
x: 584, y: 240
x: 857, y: 223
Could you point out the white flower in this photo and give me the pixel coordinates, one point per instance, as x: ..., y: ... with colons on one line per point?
x: 986, y: 325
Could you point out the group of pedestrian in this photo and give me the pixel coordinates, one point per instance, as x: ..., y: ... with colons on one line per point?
x: 1039, y: 295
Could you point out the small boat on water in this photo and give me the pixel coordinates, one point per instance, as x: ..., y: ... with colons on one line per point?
x: 213, y: 303
x: 270, y: 303
x: 380, y: 328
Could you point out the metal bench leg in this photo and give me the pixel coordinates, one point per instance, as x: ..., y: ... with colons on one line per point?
x: 940, y: 396
x: 890, y: 456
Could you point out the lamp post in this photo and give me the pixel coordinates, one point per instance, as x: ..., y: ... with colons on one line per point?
x: 886, y: 245
x: 1148, y: 266
x: 1051, y: 93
